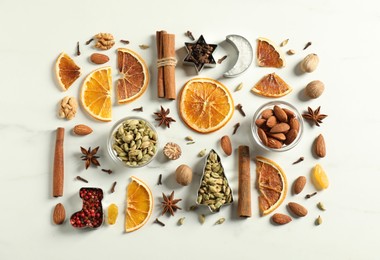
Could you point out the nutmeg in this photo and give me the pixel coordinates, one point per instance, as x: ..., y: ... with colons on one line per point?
x: 310, y: 63
x: 183, y: 175
x: 315, y: 89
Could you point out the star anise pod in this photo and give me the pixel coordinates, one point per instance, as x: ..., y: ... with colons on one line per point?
x: 90, y: 156
x: 163, y: 117
x: 169, y: 204
x: 314, y: 116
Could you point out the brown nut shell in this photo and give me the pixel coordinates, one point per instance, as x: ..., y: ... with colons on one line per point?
x: 281, y: 219
x: 297, y: 209
x: 299, y: 184
x: 59, y: 214
x: 225, y: 143
x: 320, y: 146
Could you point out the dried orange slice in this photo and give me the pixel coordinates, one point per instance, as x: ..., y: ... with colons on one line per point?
x: 96, y: 94
x: 271, y: 183
x: 205, y: 105
x: 271, y: 85
x: 66, y: 71
x: 268, y: 54
x: 139, y: 205
x: 135, y: 76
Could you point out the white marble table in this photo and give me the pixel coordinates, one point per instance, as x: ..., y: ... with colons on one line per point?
x: 343, y: 33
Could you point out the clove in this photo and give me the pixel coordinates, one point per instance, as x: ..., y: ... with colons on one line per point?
x: 299, y: 160
x: 89, y: 41
x: 139, y: 109
x: 240, y: 108
x: 159, y: 180
x: 308, y: 196
x: 107, y: 171
x: 81, y: 179
x: 307, y: 45
x: 113, y: 187
x: 222, y: 59
x: 159, y: 222
x: 124, y: 41
x: 78, y: 50
x: 236, y: 126
x: 190, y: 35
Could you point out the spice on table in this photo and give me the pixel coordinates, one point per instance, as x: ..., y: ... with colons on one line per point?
x: 58, y: 170
x: 220, y: 221
x: 200, y: 54
x: 189, y: 138
x: 78, y: 50
x: 291, y: 52
x: 159, y: 180
x: 109, y: 171
x: 90, y: 156
x: 307, y: 45
x: 239, y: 87
x: 314, y: 115
x: 190, y: 35
x: 169, y: 204
x: 202, y: 218
x: 190, y: 143
x: 308, y: 196
x: 222, y: 59
x: 284, y: 42
x: 244, y: 188
x: 143, y: 46
x: 163, y: 117
x: 236, y: 126
x: 81, y: 179
x: 181, y: 221
x: 112, y: 190
x: 202, y: 153
x: 166, y: 62
x: 159, y: 222
x: 239, y: 107
x: 193, y: 207
x: 318, y: 221
x: 321, y: 206
x: 299, y: 160
x: 89, y: 41
x: 138, y: 109
x: 124, y: 41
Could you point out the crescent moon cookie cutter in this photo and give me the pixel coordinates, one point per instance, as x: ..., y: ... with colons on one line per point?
x: 244, y: 53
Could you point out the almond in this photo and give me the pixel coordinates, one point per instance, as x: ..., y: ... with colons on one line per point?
x: 291, y: 136
x: 294, y: 124
x: 225, y: 142
x: 297, y: 209
x: 320, y: 146
x: 263, y: 137
x: 280, y: 114
x: 299, y: 184
x: 278, y: 136
x: 82, y: 130
x: 274, y: 143
x: 59, y: 214
x: 281, y: 219
x: 280, y: 128
x: 267, y: 113
x: 260, y: 122
x: 99, y: 58
x: 289, y: 113
x: 271, y: 121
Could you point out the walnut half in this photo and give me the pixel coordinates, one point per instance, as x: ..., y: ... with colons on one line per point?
x: 68, y: 108
x: 172, y: 151
x: 105, y: 41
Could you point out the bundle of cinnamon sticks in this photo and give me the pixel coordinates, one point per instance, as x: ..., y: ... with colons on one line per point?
x: 166, y: 65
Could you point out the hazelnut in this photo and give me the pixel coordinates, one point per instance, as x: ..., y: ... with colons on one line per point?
x: 172, y: 151
x: 183, y: 175
x: 314, y: 89
x: 310, y: 63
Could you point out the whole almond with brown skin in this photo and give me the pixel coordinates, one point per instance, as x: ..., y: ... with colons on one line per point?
x: 260, y: 122
x: 271, y: 121
x: 281, y: 219
x: 274, y: 143
x: 225, y: 143
x: 59, y: 214
x: 289, y: 113
x: 263, y: 136
x: 267, y: 113
x: 299, y: 184
x: 82, y: 130
x: 280, y: 114
x: 278, y: 136
x: 294, y: 124
x: 291, y: 136
x: 297, y: 209
x: 320, y: 146
x: 280, y: 128
x: 99, y: 58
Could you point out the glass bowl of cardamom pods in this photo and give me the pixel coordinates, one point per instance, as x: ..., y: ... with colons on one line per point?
x: 277, y: 126
x: 133, y: 142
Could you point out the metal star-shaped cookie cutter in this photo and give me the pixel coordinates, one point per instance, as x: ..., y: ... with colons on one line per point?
x: 200, y: 54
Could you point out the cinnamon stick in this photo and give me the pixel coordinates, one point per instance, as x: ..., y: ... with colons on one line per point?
x: 244, y: 189
x: 58, y: 171
x: 168, y: 43
x: 160, y: 70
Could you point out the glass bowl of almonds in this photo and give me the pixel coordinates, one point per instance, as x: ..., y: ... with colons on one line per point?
x: 277, y: 126
x: 133, y: 142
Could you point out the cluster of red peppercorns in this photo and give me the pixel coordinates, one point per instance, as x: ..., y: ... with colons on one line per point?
x: 91, y: 214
